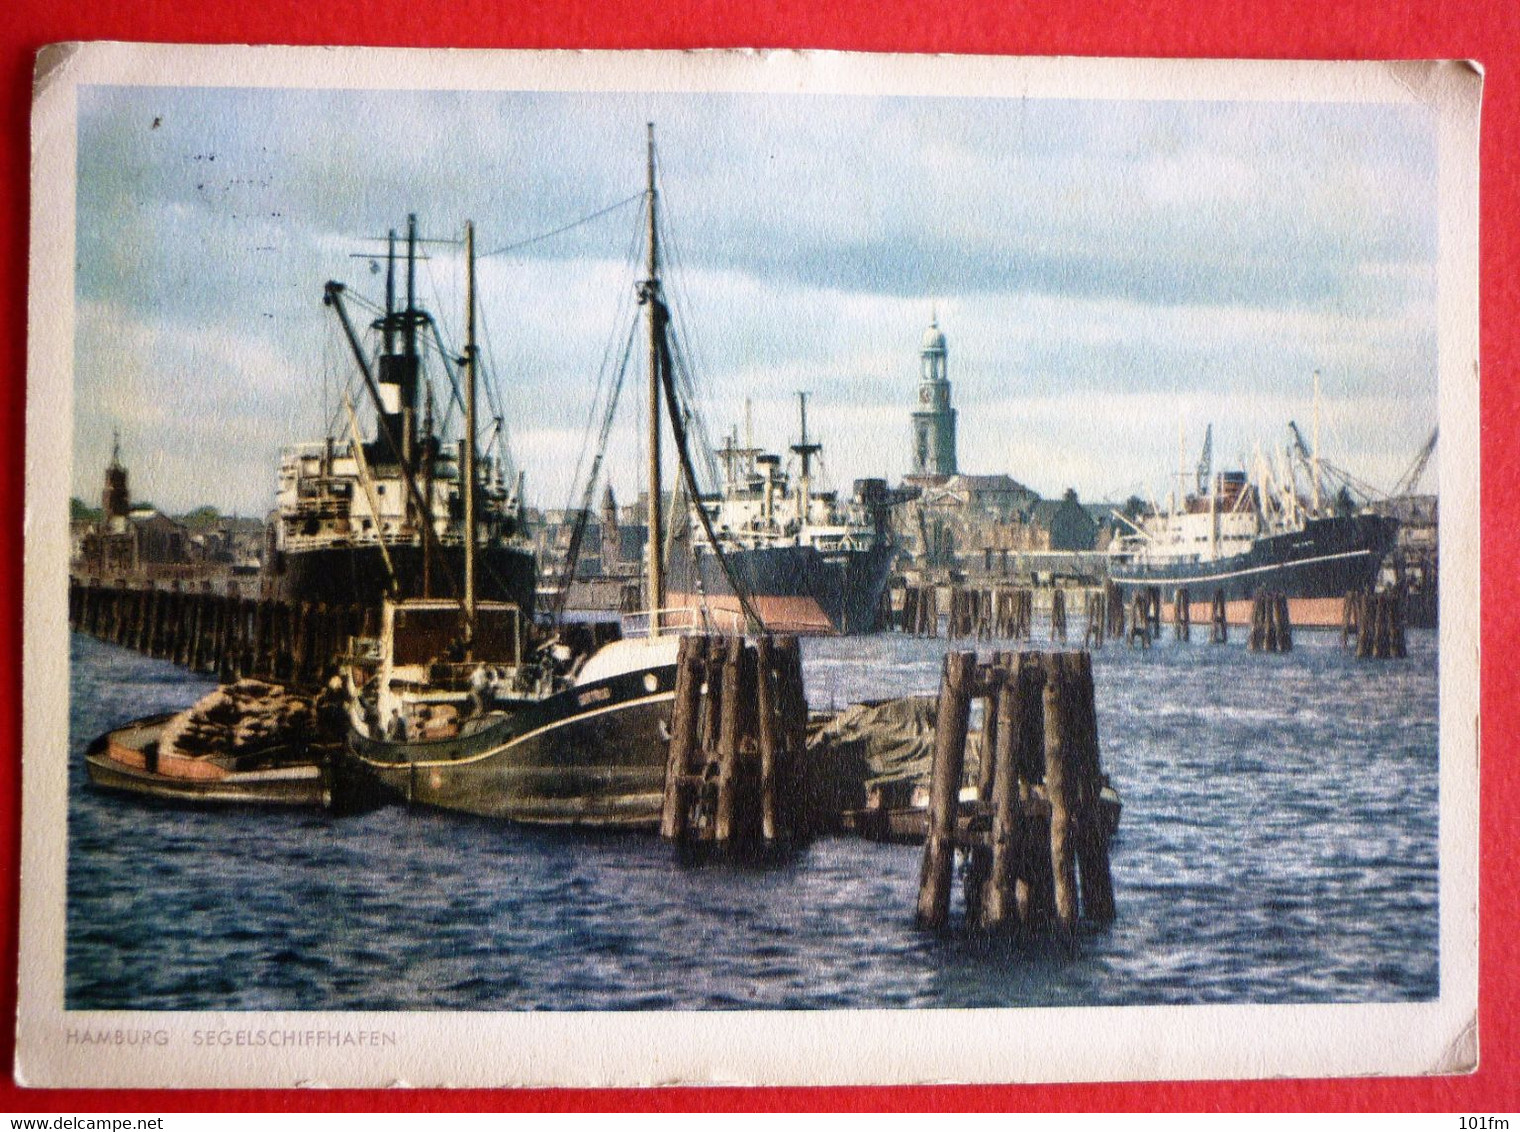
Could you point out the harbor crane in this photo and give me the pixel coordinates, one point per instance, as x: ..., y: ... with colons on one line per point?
x: 1411, y: 479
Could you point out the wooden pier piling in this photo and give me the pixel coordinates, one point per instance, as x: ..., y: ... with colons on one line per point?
x: 1182, y: 613
x: 953, y: 720
x: 1375, y: 624
x: 1095, y: 610
x: 1036, y: 839
x: 734, y: 770
x: 1271, y: 628
x: 1140, y: 621
x: 1219, y: 625
x: 226, y: 635
x: 1113, y: 601
x: 1058, y: 615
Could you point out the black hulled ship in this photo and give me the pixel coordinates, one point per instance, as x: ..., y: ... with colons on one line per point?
x: 1241, y: 534
x: 360, y: 516
x: 808, y: 562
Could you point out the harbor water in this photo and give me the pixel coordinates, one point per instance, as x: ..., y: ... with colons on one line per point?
x: 1278, y: 845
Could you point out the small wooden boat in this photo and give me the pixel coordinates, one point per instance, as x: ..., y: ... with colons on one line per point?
x: 128, y: 760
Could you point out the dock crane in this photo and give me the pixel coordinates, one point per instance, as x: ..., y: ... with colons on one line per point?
x: 1411, y: 479
x: 1351, y: 483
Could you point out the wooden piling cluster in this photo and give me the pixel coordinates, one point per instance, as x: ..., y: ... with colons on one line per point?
x: 964, y: 617
x: 1013, y: 618
x: 1037, y: 835
x: 1113, y: 605
x: 230, y: 636
x: 1271, y: 629
x: 973, y: 613
x: 1145, y: 616
x: 1182, y: 614
x: 1058, y: 615
x: 1095, y: 612
x: 1219, y: 625
x: 734, y: 772
x: 920, y: 611
x: 1374, y: 624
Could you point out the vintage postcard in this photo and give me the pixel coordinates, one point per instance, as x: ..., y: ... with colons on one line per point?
x: 793, y: 568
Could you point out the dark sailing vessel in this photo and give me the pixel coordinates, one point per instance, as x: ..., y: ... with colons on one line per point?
x: 451, y: 708
x: 1240, y: 535
x: 806, y: 563
x: 360, y: 518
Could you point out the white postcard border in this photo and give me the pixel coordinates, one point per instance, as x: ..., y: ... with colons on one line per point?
x: 823, y: 1047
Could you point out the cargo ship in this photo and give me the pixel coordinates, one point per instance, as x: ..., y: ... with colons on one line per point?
x: 807, y: 561
x: 1240, y: 534
x: 360, y: 517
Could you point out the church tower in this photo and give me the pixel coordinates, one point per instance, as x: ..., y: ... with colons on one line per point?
x: 934, y: 419
x: 116, y: 500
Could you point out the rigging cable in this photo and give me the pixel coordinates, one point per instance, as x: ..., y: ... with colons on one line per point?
x: 587, y: 219
x: 583, y: 516
x: 678, y: 427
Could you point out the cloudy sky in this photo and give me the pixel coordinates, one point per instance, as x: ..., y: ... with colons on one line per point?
x: 1104, y: 272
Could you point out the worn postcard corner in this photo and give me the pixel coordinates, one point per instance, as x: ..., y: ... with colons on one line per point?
x: 579, y: 568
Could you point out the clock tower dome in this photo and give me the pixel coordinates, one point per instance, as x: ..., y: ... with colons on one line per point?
x: 934, y: 417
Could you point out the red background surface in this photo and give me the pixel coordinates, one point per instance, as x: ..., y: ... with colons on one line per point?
x: 1300, y: 29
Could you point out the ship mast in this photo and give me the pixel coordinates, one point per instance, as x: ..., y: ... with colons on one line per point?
x: 649, y: 295
x: 467, y: 472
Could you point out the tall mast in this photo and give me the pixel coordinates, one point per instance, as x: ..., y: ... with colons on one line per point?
x: 468, y: 471
x: 409, y: 340
x: 655, y: 567
x: 388, y: 327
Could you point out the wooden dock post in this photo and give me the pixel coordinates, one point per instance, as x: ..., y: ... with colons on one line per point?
x: 1092, y: 831
x: 1380, y: 630
x: 1351, y: 618
x: 999, y: 903
x: 1058, y: 615
x: 1058, y: 791
x: 944, y: 789
x: 795, y: 819
x: 1140, y: 620
x: 1219, y: 632
x: 1182, y: 614
x: 910, y: 611
x: 766, y: 735
x: 680, y: 768
x: 1271, y: 629
x: 1095, y: 604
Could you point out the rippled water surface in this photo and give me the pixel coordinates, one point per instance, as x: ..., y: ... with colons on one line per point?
x: 1278, y: 844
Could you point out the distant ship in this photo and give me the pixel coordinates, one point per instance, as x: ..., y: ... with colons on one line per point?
x: 1239, y: 535
x: 807, y: 562
x: 358, y: 519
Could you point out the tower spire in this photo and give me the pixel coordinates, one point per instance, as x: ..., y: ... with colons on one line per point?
x: 934, y: 418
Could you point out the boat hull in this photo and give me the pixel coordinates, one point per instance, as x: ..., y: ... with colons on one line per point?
x: 590, y: 756
x: 1324, y: 561
x: 345, y: 575
x: 125, y: 761
x: 794, y: 589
